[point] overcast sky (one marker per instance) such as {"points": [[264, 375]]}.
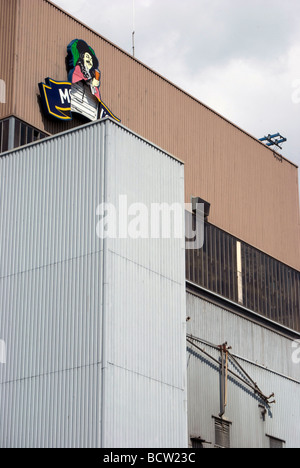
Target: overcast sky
{"points": [[239, 57]]}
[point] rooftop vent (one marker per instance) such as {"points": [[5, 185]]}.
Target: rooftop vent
{"points": [[202, 205]]}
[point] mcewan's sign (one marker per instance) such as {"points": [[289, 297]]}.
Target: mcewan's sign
{"points": [[81, 93]]}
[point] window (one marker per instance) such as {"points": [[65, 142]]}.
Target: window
{"points": [[197, 442], [241, 273], [4, 130], [25, 134], [15, 133], [276, 443], [222, 433]]}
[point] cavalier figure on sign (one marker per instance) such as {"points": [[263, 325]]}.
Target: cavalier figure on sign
{"points": [[79, 95], [83, 65]]}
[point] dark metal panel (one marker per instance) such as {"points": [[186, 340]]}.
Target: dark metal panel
{"points": [[270, 288]]}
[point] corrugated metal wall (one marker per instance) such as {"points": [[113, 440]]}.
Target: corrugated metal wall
{"points": [[244, 275], [255, 342], [51, 293], [146, 295], [8, 18], [248, 188], [94, 330], [267, 359]]}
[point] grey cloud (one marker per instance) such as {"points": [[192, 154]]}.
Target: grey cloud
{"points": [[190, 41], [216, 31]]}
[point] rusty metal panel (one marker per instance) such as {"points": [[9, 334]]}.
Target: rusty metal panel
{"points": [[253, 195]]}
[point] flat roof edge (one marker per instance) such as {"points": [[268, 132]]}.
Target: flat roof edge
{"points": [[242, 311], [86, 125]]}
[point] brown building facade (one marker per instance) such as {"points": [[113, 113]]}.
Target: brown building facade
{"points": [[253, 191]]}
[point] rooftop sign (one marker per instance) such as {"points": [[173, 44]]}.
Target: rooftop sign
{"points": [[81, 93]]}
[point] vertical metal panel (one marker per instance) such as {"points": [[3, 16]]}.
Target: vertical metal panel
{"points": [[267, 359], [145, 301], [51, 292], [52, 410], [247, 339], [251, 285], [249, 189], [95, 330], [44, 183], [248, 428], [8, 17], [49, 318]]}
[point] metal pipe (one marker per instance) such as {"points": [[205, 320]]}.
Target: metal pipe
{"points": [[226, 378], [248, 361], [243, 370], [254, 388], [222, 389]]}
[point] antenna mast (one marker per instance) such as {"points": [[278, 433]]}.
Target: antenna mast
{"points": [[133, 28]]}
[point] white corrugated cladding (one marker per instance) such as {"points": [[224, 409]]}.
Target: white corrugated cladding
{"points": [[146, 291], [94, 329], [267, 359]]}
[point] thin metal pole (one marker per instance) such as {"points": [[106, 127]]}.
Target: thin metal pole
{"points": [[226, 378], [133, 46], [133, 28], [222, 389]]}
